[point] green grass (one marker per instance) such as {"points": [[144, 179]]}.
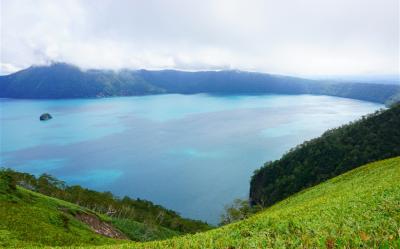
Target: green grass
{"points": [[359, 209], [32, 219], [137, 231]]}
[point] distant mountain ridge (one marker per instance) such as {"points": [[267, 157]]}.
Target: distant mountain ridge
{"points": [[60, 80]]}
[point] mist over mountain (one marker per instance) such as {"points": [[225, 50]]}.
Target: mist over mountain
{"points": [[390, 79], [61, 80]]}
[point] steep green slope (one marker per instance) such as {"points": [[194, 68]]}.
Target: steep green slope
{"points": [[156, 221], [372, 138], [29, 218], [32, 219], [360, 208], [137, 231]]}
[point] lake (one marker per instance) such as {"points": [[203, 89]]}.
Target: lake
{"points": [[189, 153]]}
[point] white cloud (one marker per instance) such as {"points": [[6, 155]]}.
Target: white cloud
{"points": [[306, 37]]}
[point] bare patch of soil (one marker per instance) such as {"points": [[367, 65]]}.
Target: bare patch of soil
{"points": [[100, 227]]}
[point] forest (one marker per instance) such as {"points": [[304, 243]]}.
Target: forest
{"points": [[373, 137]]}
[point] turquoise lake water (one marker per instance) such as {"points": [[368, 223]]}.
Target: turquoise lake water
{"points": [[190, 153]]}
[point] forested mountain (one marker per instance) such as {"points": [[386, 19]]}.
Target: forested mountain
{"points": [[61, 80], [369, 139]]}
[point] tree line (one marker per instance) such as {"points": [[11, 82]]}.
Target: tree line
{"points": [[142, 211], [373, 137]]}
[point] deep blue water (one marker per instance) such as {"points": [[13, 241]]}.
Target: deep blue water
{"points": [[190, 153]]}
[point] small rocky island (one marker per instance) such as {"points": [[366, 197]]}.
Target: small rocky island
{"points": [[45, 116]]}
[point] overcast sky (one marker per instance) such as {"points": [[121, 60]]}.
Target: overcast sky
{"points": [[298, 37]]}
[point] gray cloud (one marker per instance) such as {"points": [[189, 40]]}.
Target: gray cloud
{"points": [[305, 37]]}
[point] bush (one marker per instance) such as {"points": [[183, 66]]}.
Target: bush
{"points": [[7, 182], [239, 209]]}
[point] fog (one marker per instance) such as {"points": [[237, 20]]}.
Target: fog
{"points": [[298, 37]]}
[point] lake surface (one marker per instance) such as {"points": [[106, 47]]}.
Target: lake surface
{"points": [[190, 153]]}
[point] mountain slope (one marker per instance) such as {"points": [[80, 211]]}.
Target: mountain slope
{"points": [[140, 220], [32, 219], [67, 81], [360, 208], [61, 80], [372, 138]]}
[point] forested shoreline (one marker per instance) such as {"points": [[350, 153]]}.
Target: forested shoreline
{"points": [[373, 137]]}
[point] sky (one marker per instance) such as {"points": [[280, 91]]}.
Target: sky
{"points": [[296, 37]]}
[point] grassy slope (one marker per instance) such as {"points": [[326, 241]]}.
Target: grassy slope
{"points": [[143, 232], [32, 219], [361, 207]]}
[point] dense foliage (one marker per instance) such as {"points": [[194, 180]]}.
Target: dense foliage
{"points": [[106, 203], [66, 81], [372, 138], [359, 209]]}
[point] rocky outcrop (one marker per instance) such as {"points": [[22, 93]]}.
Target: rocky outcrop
{"points": [[45, 116]]}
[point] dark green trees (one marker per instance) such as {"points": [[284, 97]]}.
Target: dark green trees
{"points": [[7, 183], [372, 138]]}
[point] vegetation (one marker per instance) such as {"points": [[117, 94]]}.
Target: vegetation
{"points": [[359, 209], [306, 208], [154, 216], [143, 231], [372, 138], [61, 80], [393, 100], [32, 219], [239, 209]]}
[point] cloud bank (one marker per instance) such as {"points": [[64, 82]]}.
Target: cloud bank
{"points": [[300, 37]]}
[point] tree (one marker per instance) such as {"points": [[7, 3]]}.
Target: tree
{"points": [[239, 209], [7, 182]]}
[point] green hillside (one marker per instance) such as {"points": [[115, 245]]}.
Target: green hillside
{"points": [[360, 208], [137, 231], [29, 218], [32, 219], [372, 138], [49, 208]]}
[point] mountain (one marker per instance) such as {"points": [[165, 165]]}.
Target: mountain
{"points": [[372, 138], [60, 80]]}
